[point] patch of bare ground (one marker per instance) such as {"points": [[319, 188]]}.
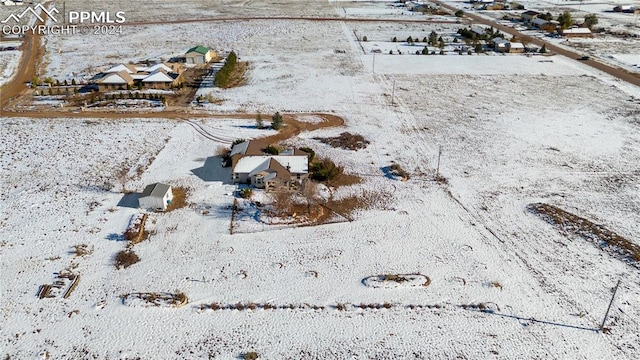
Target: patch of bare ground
{"points": [[179, 200], [343, 179], [345, 140], [367, 199], [597, 234]]}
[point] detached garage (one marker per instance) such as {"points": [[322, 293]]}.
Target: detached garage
{"points": [[156, 197], [199, 55]]}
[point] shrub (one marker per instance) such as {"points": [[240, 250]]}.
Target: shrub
{"points": [[394, 39], [271, 150], [309, 151], [126, 258], [325, 170], [237, 141], [245, 193], [252, 355], [259, 122], [364, 38], [459, 13]]}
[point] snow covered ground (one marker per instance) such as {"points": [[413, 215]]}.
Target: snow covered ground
{"points": [[513, 130], [9, 61]]}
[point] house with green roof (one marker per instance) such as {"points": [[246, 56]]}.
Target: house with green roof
{"points": [[199, 55]]}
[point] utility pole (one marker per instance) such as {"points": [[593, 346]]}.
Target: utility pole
{"points": [[374, 63], [438, 167], [393, 93], [606, 315]]}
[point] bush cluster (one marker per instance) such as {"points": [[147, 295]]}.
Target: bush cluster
{"points": [[325, 170]]}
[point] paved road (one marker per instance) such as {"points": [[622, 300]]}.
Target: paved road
{"points": [[614, 71]]}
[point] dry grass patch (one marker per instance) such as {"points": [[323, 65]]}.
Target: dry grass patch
{"points": [[397, 170], [126, 258], [82, 250], [176, 299], [598, 235], [346, 140], [179, 200]]}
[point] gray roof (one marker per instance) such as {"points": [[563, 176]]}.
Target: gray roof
{"points": [[155, 190], [240, 148]]}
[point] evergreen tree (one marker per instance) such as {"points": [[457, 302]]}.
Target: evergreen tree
{"points": [[276, 121]]}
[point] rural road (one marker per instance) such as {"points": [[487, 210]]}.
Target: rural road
{"points": [[616, 72]]}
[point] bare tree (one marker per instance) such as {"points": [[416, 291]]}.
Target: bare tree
{"points": [[123, 178]]}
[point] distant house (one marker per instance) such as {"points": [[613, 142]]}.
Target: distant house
{"points": [[529, 15], [199, 55], [576, 32], [479, 30], [625, 8], [285, 171], [516, 47], [505, 46], [156, 197], [500, 44]]}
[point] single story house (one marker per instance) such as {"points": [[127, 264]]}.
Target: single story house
{"points": [[126, 76], [576, 32], [529, 15], [199, 55], [285, 171], [156, 197], [506, 46], [516, 47]]}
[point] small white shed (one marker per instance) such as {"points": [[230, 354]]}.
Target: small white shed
{"points": [[156, 197]]}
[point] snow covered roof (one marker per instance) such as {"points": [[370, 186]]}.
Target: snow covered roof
{"points": [[240, 148], [158, 76], [255, 164], [157, 67], [577, 31], [516, 45], [499, 41], [121, 77], [539, 21], [131, 69], [157, 190]]}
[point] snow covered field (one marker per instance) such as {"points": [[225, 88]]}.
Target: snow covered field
{"points": [[514, 130], [9, 61]]}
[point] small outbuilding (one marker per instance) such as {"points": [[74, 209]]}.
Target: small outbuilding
{"points": [[199, 55], [156, 197]]}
